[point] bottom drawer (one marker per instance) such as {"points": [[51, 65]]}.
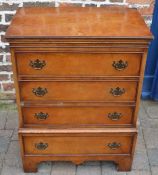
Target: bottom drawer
{"points": [[77, 142]]}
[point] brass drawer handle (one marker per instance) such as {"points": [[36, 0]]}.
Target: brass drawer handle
{"points": [[114, 145], [41, 116], [114, 116], [120, 65], [117, 91], [39, 92], [37, 64], [41, 146]]}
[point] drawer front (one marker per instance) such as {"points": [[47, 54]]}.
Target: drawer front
{"points": [[78, 64], [76, 116], [42, 144], [79, 91]]}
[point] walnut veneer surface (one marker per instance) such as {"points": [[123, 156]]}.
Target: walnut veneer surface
{"points": [[78, 76]]}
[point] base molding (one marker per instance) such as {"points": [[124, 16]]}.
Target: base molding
{"points": [[124, 162]]}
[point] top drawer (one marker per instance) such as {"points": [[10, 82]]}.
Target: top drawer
{"points": [[72, 64]]}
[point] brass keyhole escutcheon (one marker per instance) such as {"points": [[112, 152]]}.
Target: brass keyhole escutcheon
{"points": [[37, 64], [120, 65], [41, 116], [114, 116], [117, 91], [39, 92], [41, 146], [114, 145]]}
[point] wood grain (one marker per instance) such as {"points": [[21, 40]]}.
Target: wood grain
{"points": [[79, 91], [123, 160], [78, 64], [74, 116], [78, 77], [77, 145], [105, 22]]}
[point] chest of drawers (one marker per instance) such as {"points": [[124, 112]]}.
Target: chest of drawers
{"points": [[78, 75]]}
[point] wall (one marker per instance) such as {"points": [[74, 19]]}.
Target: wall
{"points": [[8, 9]]}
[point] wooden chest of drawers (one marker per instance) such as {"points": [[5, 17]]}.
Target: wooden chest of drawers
{"points": [[78, 75]]}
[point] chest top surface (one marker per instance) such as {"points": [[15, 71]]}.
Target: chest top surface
{"points": [[74, 22]]}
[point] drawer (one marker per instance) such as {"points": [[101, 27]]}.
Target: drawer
{"points": [[77, 144], [74, 116], [73, 64], [79, 91]]}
